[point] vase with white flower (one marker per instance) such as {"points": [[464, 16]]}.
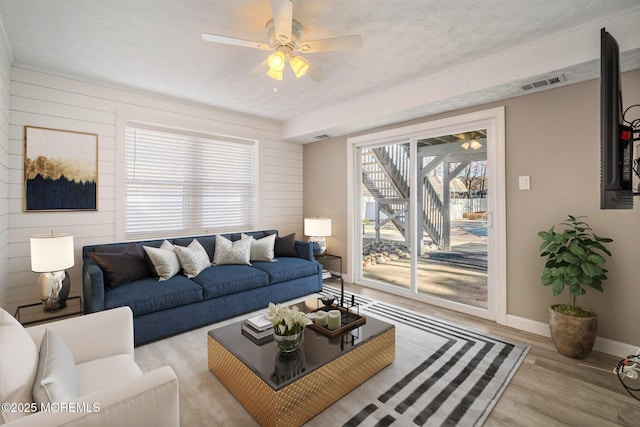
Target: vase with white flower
{"points": [[288, 326]]}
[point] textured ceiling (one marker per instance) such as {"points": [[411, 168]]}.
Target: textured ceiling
{"points": [[155, 46]]}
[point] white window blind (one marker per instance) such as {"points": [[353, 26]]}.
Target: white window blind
{"points": [[185, 184]]}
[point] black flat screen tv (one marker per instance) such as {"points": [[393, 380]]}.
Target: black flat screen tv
{"points": [[616, 148]]}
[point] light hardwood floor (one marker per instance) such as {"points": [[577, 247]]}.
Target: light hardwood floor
{"points": [[548, 389]]}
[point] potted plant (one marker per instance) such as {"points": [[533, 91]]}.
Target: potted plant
{"points": [[574, 259]]}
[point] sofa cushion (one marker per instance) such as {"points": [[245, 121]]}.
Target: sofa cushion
{"points": [[18, 365], [148, 295], [228, 252], [262, 249], [121, 268], [285, 246], [287, 268], [106, 372], [193, 258], [56, 379], [228, 279], [164, 260]]}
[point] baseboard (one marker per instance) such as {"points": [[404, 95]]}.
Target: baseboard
{"points": [[603, 345]]}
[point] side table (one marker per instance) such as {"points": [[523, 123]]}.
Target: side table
{"points": [[336, 259], [32, 314]]}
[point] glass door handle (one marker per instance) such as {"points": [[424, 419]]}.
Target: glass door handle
{"points": [[487, 219]]}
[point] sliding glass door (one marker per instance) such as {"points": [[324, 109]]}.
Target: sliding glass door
{"points": [[424, 215], [452, 223], [385, 190]]}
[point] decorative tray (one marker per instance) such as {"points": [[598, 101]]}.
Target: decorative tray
{"points": [[350, 320]]}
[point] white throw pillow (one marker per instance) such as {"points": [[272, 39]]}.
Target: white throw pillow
{"points": [[18, 365], [193, 259], [56, 380], [164, 260], [228, 252], [262, 249]]}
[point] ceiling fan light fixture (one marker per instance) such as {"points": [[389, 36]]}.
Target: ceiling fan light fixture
{"points": [[475, 145], [276, 61], [299, 65], [276, 75]]}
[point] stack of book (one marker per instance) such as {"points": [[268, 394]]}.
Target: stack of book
{"points": [[258, 329], [326, 274]]}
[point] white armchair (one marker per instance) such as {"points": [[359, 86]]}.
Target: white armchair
{"points": [[111, 389]]}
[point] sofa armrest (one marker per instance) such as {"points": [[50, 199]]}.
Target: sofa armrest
{"points": [[304, 250], [92, 286], [148, 400], [93, 336]]}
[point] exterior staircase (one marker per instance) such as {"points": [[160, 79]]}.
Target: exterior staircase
{"points": [[385, 174]]}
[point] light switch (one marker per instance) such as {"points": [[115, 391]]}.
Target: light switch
{"points": [[524, 183]]}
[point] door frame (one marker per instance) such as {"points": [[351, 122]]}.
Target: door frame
{"points": [[493, 120]]}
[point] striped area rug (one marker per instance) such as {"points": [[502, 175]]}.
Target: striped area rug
{"points": [[444, 374]]}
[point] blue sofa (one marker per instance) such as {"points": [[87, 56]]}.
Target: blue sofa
{"points": [[164, 308]]}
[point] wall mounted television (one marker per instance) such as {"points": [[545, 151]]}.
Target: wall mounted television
{"points": [[616, 138]]}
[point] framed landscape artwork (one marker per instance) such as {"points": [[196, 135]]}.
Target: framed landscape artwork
{"points": [[60, 170]]}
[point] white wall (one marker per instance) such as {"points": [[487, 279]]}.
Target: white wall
{"points": [[45, 100], [5, 72]]}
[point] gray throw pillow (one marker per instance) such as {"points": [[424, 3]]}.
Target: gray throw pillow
{"points": [[262, 249], [121, 268], [56, 378], [228, 252], [164, 260], [193, 259], [286, 246]]}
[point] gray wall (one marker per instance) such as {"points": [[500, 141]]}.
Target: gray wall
{"points": [[554, 137]]}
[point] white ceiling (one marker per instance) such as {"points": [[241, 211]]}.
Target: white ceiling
{"points": [[418, 57]]}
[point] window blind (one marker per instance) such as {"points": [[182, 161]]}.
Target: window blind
{"points": [[185, 184]]}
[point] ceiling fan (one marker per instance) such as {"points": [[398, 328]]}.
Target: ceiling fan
{"points": [[284, 38]]}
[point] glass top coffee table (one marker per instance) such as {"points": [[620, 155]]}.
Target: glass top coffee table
{"points": [[286, 389]]}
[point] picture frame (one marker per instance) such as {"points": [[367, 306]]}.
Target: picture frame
{"points": [[60, 170]]}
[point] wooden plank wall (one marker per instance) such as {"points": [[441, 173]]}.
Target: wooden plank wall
{"points": [[5, 71], [47, 100]]}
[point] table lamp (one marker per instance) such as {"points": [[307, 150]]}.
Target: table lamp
{"points": [[317, 229], [51, 255]]}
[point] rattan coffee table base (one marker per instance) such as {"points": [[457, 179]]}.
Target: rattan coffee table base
{"points": [[303, 399]]}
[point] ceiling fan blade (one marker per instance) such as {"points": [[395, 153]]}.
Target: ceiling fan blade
{"points": [[233, 41], [336, 43], [315, 73], [282, 18]]}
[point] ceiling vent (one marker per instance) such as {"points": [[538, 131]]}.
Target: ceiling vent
{"points": [[547, 82], [322, 136]]}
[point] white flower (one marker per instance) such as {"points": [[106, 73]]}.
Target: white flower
{"points": [[287, 320]]}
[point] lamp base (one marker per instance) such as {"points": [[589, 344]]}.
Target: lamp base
{"points": [[319, 245], [54, 290]]}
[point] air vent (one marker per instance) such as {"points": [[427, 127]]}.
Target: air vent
{"points": [[547, 82], [322, 136]]}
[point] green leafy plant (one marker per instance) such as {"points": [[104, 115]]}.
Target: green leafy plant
{"points": [[574, 259]]}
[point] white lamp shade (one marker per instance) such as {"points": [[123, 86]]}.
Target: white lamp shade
{"points": [[51, 252], [317, 227]]}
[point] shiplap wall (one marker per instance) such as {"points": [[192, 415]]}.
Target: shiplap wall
{"points": [[46, 100], [5, 71]]}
